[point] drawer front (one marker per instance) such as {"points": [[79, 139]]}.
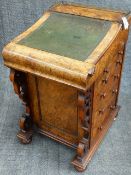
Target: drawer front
{"points": [[106, 87], [102, 118], [106, 91]]}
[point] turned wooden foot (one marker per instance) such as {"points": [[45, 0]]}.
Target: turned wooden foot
{"points": [[25, 137], [25, 134], [79, 169]]}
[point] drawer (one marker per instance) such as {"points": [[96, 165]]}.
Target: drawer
{"points": [[106, 91], [103, 95], [108, 83], [100, 113], [98, 125]]}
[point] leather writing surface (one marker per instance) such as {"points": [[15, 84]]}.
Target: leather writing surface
{"points": [[68, 35]]}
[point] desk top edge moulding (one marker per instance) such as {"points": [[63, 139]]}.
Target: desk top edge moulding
{"points": [[66, 68]]}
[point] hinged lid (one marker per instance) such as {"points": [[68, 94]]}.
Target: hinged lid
{"points": [[65, 43]]}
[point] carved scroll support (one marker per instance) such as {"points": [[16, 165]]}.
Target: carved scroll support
{"points": [[84, 114], [25, 123]]}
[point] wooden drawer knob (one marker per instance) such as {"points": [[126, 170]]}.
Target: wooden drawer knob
{"points": [[119, 62], [121, 52], [114, 91], [100, 128], [116, 76], [105, 80], [106, 70], [112, 107], [103, 95], [101, 111]]}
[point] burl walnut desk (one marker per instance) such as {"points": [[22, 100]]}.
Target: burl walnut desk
{"points": [[66, 69]]}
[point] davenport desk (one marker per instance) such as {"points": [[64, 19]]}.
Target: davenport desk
{"points": [[66, 69]]}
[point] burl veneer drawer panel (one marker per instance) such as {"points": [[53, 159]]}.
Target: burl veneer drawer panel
{"points": [[66, 69]]}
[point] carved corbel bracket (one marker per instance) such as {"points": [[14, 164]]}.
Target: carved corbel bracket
{"points": [[84, 114]]}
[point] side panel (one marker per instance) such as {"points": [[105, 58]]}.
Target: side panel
{"points": [[54, 108]]}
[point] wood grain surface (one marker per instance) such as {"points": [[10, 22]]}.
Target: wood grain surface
{"points": [[73, 102]]}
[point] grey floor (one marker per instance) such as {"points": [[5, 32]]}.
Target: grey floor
{"points": [[46, 157]]}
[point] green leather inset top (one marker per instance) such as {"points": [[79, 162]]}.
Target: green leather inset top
{"points": [[68, 35]]}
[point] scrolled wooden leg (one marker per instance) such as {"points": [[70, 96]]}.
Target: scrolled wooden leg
{"points": [[20, 87], [25, 122]]}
